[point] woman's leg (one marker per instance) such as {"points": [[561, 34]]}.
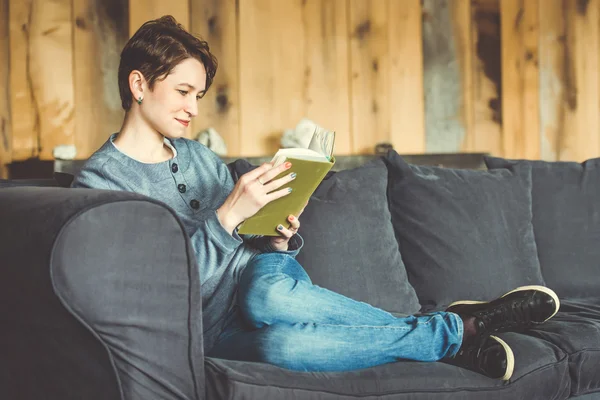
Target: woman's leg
{"points": [[293, 324], [274, 288], [327, 347]]}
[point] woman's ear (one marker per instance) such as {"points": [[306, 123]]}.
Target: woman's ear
{"points": [[137, 84]]}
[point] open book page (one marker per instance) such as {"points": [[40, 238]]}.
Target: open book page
{"points": [[322, 142], [304, 154], [320, 148]]}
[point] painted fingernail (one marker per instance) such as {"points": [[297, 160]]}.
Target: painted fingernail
{"points": [[279, 227], [287, 164], [291, 218], [289, 190], [293, 175]]}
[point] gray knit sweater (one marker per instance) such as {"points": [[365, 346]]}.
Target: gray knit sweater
{"points": [[194, 183]]}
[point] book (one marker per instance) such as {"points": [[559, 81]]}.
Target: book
{"points": [[311, 165]]}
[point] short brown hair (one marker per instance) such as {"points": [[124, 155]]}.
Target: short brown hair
{"points": [[155, 49]]}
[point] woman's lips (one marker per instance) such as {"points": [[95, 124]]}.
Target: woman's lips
{"points": [[184, 123]]}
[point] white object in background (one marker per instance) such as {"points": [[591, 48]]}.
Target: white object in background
{"points": [[211, 139], [64, 152], [300, 136]]}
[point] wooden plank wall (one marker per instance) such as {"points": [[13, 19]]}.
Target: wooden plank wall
{"points": [[42, 97], [569, 102], [516, 78], [386, 82], [462, 75], [520, 78], [217, 22], [100, 30], [5, 129], [24, 117]]}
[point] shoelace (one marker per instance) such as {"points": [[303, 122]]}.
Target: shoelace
{"points": [[516, 313]]}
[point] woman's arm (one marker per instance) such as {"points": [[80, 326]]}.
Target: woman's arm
{"points": [[214, 246]]}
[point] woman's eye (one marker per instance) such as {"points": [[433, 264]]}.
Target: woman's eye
{"points": [[183, 92]]}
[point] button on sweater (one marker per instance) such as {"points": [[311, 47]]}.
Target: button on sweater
{"points": [[194, 183]]}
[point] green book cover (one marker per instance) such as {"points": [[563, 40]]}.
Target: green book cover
{"points": [[309, 173], [310, 165]]}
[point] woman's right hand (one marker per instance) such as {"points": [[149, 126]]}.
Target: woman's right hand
{"points": [[252, 192]]}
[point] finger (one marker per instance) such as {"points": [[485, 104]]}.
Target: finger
{"points": [[271, 173], [294, 221], [278, 194], [285, 231], [256, 172], [277, 183]]}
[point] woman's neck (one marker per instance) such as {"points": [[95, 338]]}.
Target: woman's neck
{"points": [[139, 141]]}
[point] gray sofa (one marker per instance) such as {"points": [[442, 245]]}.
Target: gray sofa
{"points": [[100, 296]]}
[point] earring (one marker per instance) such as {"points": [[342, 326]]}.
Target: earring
{"points": [[139, 100]]}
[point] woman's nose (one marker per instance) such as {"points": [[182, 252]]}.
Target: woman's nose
{"points": [[192, 108]]}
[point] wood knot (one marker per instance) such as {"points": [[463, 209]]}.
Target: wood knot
{"points": [[582, 6], [222, 99], [212, 25], [362, 30], [80, 23], [375, 65]]}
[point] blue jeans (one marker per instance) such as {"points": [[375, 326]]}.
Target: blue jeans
{"points": [[283, 319]]}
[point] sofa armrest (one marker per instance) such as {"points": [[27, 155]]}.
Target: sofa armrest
{"points": [[99, 297]]}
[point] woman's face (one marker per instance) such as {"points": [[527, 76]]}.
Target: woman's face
{"points": [[173, 102]]}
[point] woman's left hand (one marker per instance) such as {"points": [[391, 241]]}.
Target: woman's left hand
{"points": [[280, 243]]}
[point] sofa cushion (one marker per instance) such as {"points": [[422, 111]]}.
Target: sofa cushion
{"points": [[463, 234], [349, 243], [566, 222], [541, 372], [576, 331]]}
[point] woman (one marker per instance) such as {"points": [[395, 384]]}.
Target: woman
{"points": [[258, 302]]}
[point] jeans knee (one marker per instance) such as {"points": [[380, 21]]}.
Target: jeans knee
{"points": [[266, 287], [260, 301]]}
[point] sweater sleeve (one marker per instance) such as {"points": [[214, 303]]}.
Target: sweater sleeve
{"points": [[213, 245]]}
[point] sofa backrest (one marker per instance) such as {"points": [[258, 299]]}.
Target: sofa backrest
{"points": [[566, 222]]}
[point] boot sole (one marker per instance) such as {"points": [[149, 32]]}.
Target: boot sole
{"points": [[510, 358], [538, 288]]}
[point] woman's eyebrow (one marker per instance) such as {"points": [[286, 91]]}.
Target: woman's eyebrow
{"points": [[188, 85]]}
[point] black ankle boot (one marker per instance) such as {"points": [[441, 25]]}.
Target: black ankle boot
{"points": [[489, 356], [515, 311]]}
